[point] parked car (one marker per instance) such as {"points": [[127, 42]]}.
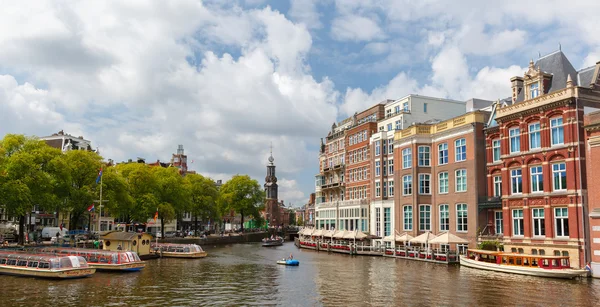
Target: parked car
{"points": [[170, 234]]}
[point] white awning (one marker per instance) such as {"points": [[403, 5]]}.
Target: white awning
{"points": [[424, 238], [448, 238]]}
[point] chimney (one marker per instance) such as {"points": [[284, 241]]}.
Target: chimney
{"points": [[516, 87]]}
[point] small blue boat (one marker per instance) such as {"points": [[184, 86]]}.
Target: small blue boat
{"points": [[292, 262]]}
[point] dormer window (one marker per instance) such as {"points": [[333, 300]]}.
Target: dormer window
{"points": [[534, 90]]}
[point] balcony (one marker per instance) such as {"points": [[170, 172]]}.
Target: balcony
{"points": [[333, 185], [389, 115], [343, 203]]}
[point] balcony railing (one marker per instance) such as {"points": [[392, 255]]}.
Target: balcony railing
{"points": [[343, 203]]}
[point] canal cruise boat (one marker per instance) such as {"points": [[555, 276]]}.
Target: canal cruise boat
{"points": [[172, 250], [524, 264], [44, 266], [274, 241], [104, 260]]}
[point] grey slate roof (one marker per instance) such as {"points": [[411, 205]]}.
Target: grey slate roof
{"points": [[558, 65], [584, 76]]}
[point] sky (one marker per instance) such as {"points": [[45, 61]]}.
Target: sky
{"points": [[228, 78]]}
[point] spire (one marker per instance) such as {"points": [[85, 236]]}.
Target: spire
{"points": [[271, 159], [569, 81]]}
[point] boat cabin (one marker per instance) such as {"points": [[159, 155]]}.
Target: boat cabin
{"points": [[127, 241], [97, 255], [177, 248], [43, 262], [523, 260]]}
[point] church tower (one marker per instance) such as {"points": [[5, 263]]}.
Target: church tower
{"points": [[271, 206]]}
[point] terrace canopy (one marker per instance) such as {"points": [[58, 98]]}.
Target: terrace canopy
{"points": [[423, 239], [448, 238]]}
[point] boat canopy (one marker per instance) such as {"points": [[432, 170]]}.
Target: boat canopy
{"points": [[42, 261], [96, 255], [177, 248]]}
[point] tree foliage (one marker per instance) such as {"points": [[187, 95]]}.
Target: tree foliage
{"points": [[243, 195]]}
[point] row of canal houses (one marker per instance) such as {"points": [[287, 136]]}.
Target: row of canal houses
{"points": [[512, 170]]}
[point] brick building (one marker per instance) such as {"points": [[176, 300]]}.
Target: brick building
{"points": [[535, 160], [439, 178]]}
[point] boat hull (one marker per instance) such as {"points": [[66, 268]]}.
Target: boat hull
{"points": [[556, 273], [272, 243], [54, 274], [289, 262], [184, 255], [125, 267]]}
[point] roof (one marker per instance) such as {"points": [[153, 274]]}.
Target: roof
{"points": [[585, 76], [121, 236], [557, 64]]}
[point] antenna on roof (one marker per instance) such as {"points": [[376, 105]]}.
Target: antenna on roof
{"points": [[539, 54], [559, 47]]}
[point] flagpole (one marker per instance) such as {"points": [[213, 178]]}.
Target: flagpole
{"points": [[100, 205]]}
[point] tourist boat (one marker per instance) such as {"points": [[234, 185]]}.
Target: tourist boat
{"points": [[267, 242], [44, 266], [179, 250], [123, 261], [290, 262], [524, 264]]}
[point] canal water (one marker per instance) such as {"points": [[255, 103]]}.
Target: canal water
{"points": [[246, 274]]}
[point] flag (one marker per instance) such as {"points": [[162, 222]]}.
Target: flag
{"points": [[91, 208], [156, 215], [99, 176], [61, 226]]}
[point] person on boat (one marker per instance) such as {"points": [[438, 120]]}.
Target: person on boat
{"points": [[291, 257], [119, 248]]}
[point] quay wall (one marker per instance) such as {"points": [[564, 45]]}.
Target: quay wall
{"points": [[218, 240]]}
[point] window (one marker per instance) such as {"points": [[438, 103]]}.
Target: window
{"points": [[377, 148], [390, 126], [377, 168], [496, 150], [461, 180], [377, 189], [499, 227], [539, 228], [385, 189], [424, 184], [461, 217], [364, 173], [365, 135], [384, 167], [378, 221], [390, 146], [461, 150], [556, 131], [424, 156], [497, 186], [425, 108], [559, 176], [407, 185], [561, 222], [408, 218], [424, 217], [443, 183], [406, 158], [405, 106], [517, 215], [537, 181], [516, 181], [443, 154], [391, 188], [387, 221], [390, 167], [534, 136], [534, 90], [444, 218], [514, 135], [398, 125]]}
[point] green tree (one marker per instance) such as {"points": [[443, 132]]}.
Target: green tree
{"points": [[203, 195], [26, 177], [171, 194], [242, 195], [141, 185]]}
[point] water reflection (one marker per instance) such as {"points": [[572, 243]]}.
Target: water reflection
{"points": [[248, 275]]}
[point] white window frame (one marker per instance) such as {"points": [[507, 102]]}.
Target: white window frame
{"points": [[514, 176], [514, 134], [377, 148], [560, 218], [390, 166], [377, 189], [462, 222], [496, 146], [391, 188], [424, 156], [518, 220], [406, 158], [407, 218], [499, 222], [422, 179], [377, 168], [537, 172], [497, 185], [443, 183], [424, 218], [559, 128], [444, 215], [407, 179], [555, 171], [458, 154], [538, 221], [460, 180], [535, 131], [443, 154]]}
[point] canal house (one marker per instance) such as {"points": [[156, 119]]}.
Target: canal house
{"points": [[535, 161]]}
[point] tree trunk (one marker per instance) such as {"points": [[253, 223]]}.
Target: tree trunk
{"points": [[162, 228], [195, 225], [242, 226], [21, 230]]}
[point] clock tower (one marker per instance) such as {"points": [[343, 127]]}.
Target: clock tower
{"points": [[272, 204]]}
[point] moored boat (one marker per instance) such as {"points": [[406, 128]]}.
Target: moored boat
{"points": [[179, 250], [105, 260], [268, 242], [524, 264], [44, 266]]}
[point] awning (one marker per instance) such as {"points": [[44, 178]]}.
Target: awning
{"points": [[391, 238], [328, 233], [339, 234], [405, 237], [448, 238], [424, 238], [317, 233]]}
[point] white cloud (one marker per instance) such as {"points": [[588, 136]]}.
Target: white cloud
{"points": [[355, 28], [305, 11]]}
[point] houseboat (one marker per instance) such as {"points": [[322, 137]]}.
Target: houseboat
{"points": [[179, 250], [44, 266], [105, 260], [524, 264]]}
